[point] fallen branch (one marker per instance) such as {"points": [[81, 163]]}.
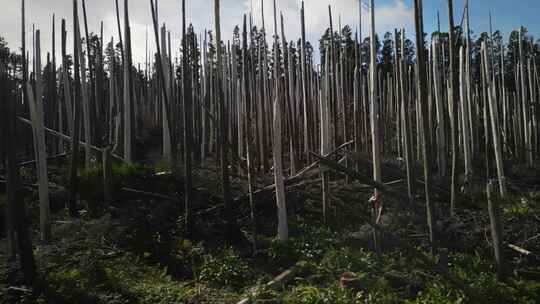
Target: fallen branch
{"points": [[31, 162], [520, 250], [380, 186], [67, 138], [32, 186], [152, 195], [274, 284], [290, 179]]}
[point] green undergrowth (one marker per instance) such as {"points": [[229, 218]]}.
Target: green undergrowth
{"points": [[91, 180], [138, 252]]}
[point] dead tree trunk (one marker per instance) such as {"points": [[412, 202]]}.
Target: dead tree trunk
{"points": [[188, 123], [374, 117], [283, 230], [35, 94], [452, 83], [224, 159], [19, 240], [494, 113], [128, 87], [496, 230], [422, 81], [74, 164]]}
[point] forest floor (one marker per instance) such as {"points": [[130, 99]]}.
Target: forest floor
{"points": [[137, 251]]}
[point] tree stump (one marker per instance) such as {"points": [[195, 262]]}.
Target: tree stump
{"points": [[350, 281]]}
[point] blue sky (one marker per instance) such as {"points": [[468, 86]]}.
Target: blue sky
{"points": [[390, 14], [507, 15]]}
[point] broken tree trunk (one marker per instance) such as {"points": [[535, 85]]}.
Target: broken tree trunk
{"points": [[223, 153], [494, 113], [283, 229], [496, 230], [128, 87], [36, 111], [18, 236], [74, 163], [422, 85], [374, 118]]}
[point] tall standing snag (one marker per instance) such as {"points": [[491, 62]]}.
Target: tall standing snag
{"points": [[36, 112], [283, 230], [452, 95], [224, 162], [186, 95], [496, 230], [374, 117], [494, 113], [422, 81], [128, 87], [18, 234], [74, 164]]}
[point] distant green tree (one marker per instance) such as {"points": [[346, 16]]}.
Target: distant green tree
{"points": [[387, 53], [365, 46], [512, 58]]}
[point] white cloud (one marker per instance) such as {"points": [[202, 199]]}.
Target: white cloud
{"points": [[200, 12]]}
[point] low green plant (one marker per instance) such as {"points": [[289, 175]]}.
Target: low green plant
{"points": [[305, 294], [225, 268]]}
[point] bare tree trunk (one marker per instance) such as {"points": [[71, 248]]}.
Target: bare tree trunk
{"points": [[19, 240], [283, 230], [438, 88], [494, 113], [406, 124], [229, 217], [128, 87], [162, 76], [65, 81], [305, 102], [496, 231], [465, 122], [424, 115], [248, 131], [374, 115], [325, 132], [525, 102], [74, 164], [453, 83], [36, 111], [188, 123]]}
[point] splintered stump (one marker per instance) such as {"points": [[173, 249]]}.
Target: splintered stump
{"points": [[276, 283], [350, 281]]}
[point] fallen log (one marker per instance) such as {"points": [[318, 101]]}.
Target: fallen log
{"points": [[32, 186], [301, 173], [151, 195], [67, 138], [398, 172], [520, 250], [274, 284], [355, 175], [31, 162]]}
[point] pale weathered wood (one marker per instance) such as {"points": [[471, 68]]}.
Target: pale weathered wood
{"points": [[422, 84], [283, 228], [107, 176], [224, 159], [496, 231], [452, 104], [36, 111], [494, 113], [128, 87], [74, 162]]}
